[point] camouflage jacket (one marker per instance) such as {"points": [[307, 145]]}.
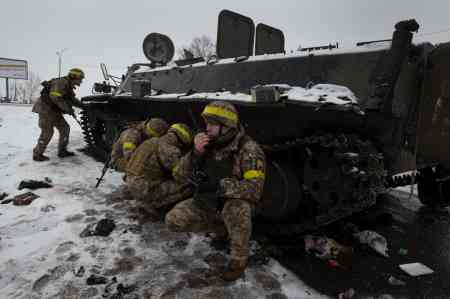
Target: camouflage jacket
{"points": [[127, 142], [59, 99], [156, 158], [248, 170]]}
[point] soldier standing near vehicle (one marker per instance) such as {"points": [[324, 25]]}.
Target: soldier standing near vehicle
{"points": [[233, 173], [57, 98], [132, 137], [149, 171]]}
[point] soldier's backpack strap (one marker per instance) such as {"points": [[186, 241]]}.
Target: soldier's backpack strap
{"points": [[45, 95]]}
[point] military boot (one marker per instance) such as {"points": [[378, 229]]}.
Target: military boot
{"points": [[65, 153], [219, 239], [40, 157], [234, 270]]}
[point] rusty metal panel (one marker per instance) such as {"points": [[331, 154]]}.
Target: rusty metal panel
{"points": [[434, 124]]}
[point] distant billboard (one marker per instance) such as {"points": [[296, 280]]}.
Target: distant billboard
{"points": [[13, 68]]}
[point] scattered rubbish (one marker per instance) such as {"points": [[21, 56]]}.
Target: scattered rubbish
{"points": [[103, 228], [124, 289], [88, 231], [80, 272], [3, 195], [403, 251], [48, 208], [416, 269], [333, 263], [24, 199], [375, 241], [325, 248], [109, 287], [96, 279], [33, 184], [347, 294], [395, 281]]}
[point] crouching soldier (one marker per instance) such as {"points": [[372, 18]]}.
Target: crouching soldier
{"points": [[228, 168], [57, 98], [132, 137], [149, 172]]}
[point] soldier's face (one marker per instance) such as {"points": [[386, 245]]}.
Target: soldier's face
{"points": [[212, 130], [77, 82]]}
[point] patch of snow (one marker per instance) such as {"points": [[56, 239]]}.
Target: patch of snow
{"points": [[323, 93], [325, 52], [318, 94]]}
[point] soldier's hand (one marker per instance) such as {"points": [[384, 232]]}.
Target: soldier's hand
{"points": [[201, 140], [127, 153]]}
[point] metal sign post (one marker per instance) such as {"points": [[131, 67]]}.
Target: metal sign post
{"points": [[7, 88], [13, 68]]}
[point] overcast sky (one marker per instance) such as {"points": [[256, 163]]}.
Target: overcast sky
{"points": [[112, 32]]}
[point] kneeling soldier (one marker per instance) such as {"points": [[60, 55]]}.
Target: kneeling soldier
{"points": [[228, 169], [149, 171], [132, 137]]}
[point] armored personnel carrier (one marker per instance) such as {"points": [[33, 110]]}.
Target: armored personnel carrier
{"points": [[338, 127]]}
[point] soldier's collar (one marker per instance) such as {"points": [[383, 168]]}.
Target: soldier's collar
{"points": [[234, 144]]}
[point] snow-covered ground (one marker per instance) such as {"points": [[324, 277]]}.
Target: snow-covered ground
{"points": [[41, 250]]}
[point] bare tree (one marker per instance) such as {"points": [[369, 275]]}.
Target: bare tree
{"points": [[28, 91], [201, 46]]}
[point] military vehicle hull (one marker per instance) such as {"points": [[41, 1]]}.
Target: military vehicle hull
{"points": [[326, 159]]}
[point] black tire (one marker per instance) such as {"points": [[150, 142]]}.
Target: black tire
{"points": [[431, 192]]}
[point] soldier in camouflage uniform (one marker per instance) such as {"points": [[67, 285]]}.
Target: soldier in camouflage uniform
{"points": [[132, 137], [57, 98], [149, 171], [231, 186]]}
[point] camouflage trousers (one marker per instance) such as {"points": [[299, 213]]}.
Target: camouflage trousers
{"points": [[160, 195], [235, 219], [47, 122]]}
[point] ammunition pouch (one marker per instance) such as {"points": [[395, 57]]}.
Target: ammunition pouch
{"points": [[206, 179], [206, 192]]}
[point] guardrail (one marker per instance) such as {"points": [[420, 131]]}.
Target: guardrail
{"points": [[16, 104]]}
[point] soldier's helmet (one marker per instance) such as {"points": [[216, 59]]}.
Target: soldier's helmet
{"points": [[155, 127], [183, 132], [76, 73], [221, 112]]}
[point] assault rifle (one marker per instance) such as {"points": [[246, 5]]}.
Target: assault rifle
{"points": [[104, 170], [107, 164]]}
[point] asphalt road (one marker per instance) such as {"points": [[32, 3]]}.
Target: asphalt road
{"points": [[414, 235]]}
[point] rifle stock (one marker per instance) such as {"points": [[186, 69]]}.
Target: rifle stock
{"points": [[107, 164], [104, 170]]}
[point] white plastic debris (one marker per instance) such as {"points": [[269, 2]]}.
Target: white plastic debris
{"points": [[348, 294], [395, 281], [376, 241], [416, 269]]}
